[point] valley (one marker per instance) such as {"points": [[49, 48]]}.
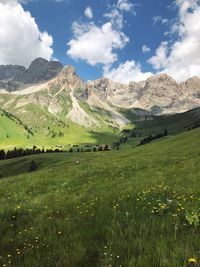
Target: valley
{"points": [[136, 204], [99, 133], [59, 108]]}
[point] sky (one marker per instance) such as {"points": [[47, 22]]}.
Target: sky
{"points": [[123, 40]]}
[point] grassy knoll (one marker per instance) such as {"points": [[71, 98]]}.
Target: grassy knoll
{"points": [[135, 207]]}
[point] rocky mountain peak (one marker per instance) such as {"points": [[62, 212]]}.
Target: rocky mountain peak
{"points": [[162, 78], [39, 70], [192, 86], [68, 72], [69, 78], [195, 80], [158, 94], [38, 63], [17, 77]]}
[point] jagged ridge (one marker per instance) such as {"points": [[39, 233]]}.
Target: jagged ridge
{"points": [[89, 104]]}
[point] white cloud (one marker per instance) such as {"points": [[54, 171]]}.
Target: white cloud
{"points": [[116, 14], [96, 44], [160, 19], [88, 12], [160, 57], [20, 38], [125, 5], [145, 49], [99, 44], [8, 1], [127, 72], [116, 18], [181, 58]]}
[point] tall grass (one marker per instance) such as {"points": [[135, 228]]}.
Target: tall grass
{"points": [[132, 208]]}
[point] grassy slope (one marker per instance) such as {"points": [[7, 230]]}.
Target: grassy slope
{"points": [[174, 124], [153, 125], [11, 132], [110, 210], [43, 125]]}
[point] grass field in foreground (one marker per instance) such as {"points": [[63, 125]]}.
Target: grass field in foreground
{"points": [[132, 208]]}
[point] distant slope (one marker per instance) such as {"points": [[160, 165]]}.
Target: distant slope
{"points": [[46, 130], [148, 124]]}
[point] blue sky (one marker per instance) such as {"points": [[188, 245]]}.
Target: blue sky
{"points": [[125, 40], [57, 19]]}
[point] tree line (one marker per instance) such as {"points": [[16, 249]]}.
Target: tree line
{"points": [[90, 149], [150, 138], [20, 152]]}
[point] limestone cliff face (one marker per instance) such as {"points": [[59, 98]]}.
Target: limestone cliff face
{"points": [[191, 87], [159, 94]]}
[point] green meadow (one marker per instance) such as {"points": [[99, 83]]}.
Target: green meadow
{"points": [[49, 132], [136, 207]]}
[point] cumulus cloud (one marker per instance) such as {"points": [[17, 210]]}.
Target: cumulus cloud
{"points": [[88, 12], [160, 57], [127, 72], [99, 44], [20, 38], [96, 44], [145, 49], [181, 58]]}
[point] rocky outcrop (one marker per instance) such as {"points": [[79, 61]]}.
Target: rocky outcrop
{"points": [[17, 77], [8, 72], [38, 71], [192, 87], [158, 94]]}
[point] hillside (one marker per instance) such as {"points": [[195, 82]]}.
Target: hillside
{"points": [[145, 125], [53, 106], [57, 113], [43, 130], [48, 93], [110, 210], [12, 130], [48, 133]]}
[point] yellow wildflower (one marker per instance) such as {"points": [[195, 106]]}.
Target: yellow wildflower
{"points": [[192, 260]]}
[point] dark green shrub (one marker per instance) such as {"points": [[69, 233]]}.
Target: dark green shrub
{"points": [[33, 166]]}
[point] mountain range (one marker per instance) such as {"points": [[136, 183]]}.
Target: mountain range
{"points": [[47, 94]]}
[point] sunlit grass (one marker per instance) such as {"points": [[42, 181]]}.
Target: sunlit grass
{"points": [[136, 207]]}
